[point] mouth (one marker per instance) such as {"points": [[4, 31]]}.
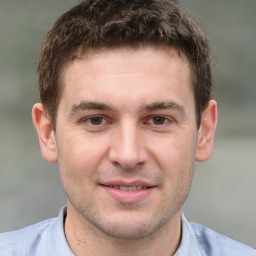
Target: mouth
{"points": [[128, 193], [128, 188]]}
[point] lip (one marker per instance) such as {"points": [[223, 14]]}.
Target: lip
{"points": [[128, 183], [128, 196]]}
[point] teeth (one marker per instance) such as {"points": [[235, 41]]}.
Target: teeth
{"points": [[132, 188], [124, 188], [127, 188]]}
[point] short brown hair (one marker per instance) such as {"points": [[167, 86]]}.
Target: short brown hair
{"points": [[97, 24]]}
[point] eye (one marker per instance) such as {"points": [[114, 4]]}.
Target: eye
{"points": [[96, 120], [159, 120]]}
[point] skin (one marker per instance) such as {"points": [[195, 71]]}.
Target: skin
{"points": [[126, 116]]}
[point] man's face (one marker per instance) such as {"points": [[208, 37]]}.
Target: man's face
{"points": [[126, 139]]}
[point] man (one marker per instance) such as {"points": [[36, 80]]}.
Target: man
{"points": [[125, 110]]}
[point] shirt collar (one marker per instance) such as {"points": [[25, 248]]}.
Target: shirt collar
{"points": [[189, 245], [59, 245], [57, 238]]}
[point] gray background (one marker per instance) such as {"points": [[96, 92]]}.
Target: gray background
{"points": [[223, 191]]}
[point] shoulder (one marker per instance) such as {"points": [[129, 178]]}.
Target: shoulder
{"points": [[26, 240], [217, 244]]}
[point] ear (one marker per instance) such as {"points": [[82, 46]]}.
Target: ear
{"points": [[206, 132], [45, 133]]}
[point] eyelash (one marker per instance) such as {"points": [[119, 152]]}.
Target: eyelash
{"points": [[162, 119], [88, 120]]}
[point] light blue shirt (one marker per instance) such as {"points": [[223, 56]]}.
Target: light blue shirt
{"points": [[47, 238]]}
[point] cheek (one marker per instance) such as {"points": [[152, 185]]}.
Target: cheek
{"points": [[173, 151], [175, 156], [80, 156]]}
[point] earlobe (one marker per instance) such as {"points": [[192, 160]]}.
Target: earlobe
{"points": [[45, 133], [206, 132]]}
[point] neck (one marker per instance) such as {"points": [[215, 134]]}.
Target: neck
{"points": [[85, 239]]}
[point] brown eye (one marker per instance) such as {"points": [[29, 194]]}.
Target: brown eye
{"points": [[96, 120], [158, 120]]}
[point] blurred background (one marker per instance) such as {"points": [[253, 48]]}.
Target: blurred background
{"points": [[224, 188]]}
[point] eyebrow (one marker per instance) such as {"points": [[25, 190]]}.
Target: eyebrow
{"points": [[89, 105], [164, 105]]}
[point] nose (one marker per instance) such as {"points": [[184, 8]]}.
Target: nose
{"points": [[127, 148]]}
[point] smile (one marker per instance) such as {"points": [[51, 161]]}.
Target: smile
{"points": [[128, 193], [128, 188]]}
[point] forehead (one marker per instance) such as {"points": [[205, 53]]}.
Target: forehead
{"points": [[129, 72], [119, 54]]}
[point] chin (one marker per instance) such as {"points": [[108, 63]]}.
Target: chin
{"points": [[132, 228]]}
